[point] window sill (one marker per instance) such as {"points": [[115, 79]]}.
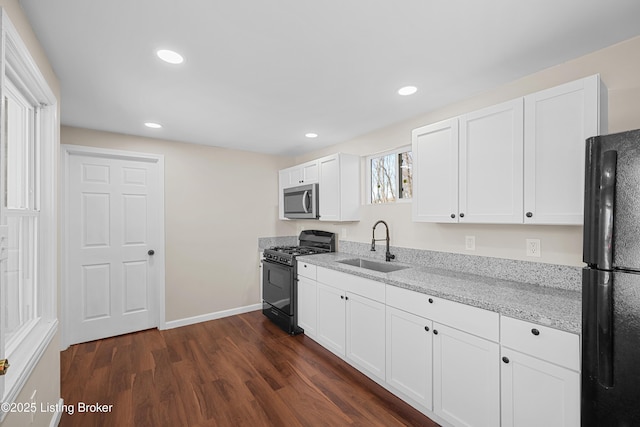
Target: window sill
{"points": [[25, 358], [397, 202]]}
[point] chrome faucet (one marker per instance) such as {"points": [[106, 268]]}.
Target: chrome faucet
{"points": [[388, 255]]}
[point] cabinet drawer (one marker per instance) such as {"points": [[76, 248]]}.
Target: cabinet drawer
{"points": [[552, 345], [473, 320], [307, 270], [348, 282]]}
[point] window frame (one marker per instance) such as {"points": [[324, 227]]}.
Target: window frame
{"points": [[368, 159], [21, 69]]}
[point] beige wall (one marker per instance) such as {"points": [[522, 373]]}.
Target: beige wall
{"points": [[46, 376], [619, 68], [217, 203]]}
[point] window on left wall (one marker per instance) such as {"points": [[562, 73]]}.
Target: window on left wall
{"points": [[28, 191], [22, 214]]}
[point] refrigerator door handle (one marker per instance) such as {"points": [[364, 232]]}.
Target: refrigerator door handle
{"points": [[607, 207], [604, 301]]}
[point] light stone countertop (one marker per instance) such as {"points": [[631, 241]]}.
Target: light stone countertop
{"points": [[557, 308]]}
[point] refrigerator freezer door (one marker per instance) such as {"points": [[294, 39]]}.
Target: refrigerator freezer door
{"points": [[622, 219], [610, 348]]}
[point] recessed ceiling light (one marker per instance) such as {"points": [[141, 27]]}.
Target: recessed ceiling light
{"points": [[311, 135], [170, 56], [153, 125], [407, 90]]}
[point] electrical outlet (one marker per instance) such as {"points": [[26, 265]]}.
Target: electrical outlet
{"points": [[470, 243], [344, 233], [533, 247]]}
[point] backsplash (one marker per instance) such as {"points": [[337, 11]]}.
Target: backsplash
{"points": [[550, 275], [267, 242], [536, 273]]}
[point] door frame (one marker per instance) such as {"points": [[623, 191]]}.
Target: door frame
{"points": [[66, 151]]}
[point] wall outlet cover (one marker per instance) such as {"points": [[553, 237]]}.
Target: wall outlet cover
{"points": [[533, 248], [470, 243]]}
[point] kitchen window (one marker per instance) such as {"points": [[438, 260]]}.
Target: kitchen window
{"points": [[389, 176], [28, 153]]}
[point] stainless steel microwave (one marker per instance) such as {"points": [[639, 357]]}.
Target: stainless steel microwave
{"points": [[301, 202]]}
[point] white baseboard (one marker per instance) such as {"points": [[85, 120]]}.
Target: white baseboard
{"points": [[211, 316], [57, 415]]}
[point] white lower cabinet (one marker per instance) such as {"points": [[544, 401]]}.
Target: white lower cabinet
{"points": [[461, 365], [538, 393], [366, 334], [350, 324], [466, 378], [540, 375], [331, 332], [307, 305], [410, 357]]}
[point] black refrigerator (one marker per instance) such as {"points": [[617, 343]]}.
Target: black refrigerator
{"points": [[611, 282]]}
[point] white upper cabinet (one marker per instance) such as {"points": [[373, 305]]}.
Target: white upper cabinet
{"points": [[491, 149], [435, 150], [306, 173], [338, 178], [469, 169], [557, 123], [518, 162], [339, 187]]}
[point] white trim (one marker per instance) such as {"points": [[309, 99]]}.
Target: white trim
{"points": [[17, 65], [211, 316], [57, 415], [24, 360], [21, 66], [66, 152]]}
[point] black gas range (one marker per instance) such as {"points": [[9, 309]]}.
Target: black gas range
{"points": [[287, 254], [279, 277]]}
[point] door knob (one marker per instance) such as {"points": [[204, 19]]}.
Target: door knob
{"points": [[151, 252]]}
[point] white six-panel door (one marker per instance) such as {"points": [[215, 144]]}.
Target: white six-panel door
{"points": [[114, 245]]}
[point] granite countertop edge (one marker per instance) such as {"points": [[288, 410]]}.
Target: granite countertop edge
{"points": [[547, 306]]}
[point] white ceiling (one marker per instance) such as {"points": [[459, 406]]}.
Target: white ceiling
{"points": [[259, 74]]}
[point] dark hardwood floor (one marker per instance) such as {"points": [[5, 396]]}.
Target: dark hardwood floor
{"points": [[237, 371]]}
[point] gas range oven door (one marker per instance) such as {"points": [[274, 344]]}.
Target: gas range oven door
{"points": [[278, 286]]}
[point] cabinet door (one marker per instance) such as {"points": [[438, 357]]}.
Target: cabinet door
{"points": [[290, 177], [466, 378], [331, 319], [309, 172], [307, 305], [409, 356], [366, 334], [329, 188], [557, 123], [536, 393], [283, 182], [491, 170], [435, 172]]}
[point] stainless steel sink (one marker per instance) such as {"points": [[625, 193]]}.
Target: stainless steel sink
{"points": [[383, 267]]}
